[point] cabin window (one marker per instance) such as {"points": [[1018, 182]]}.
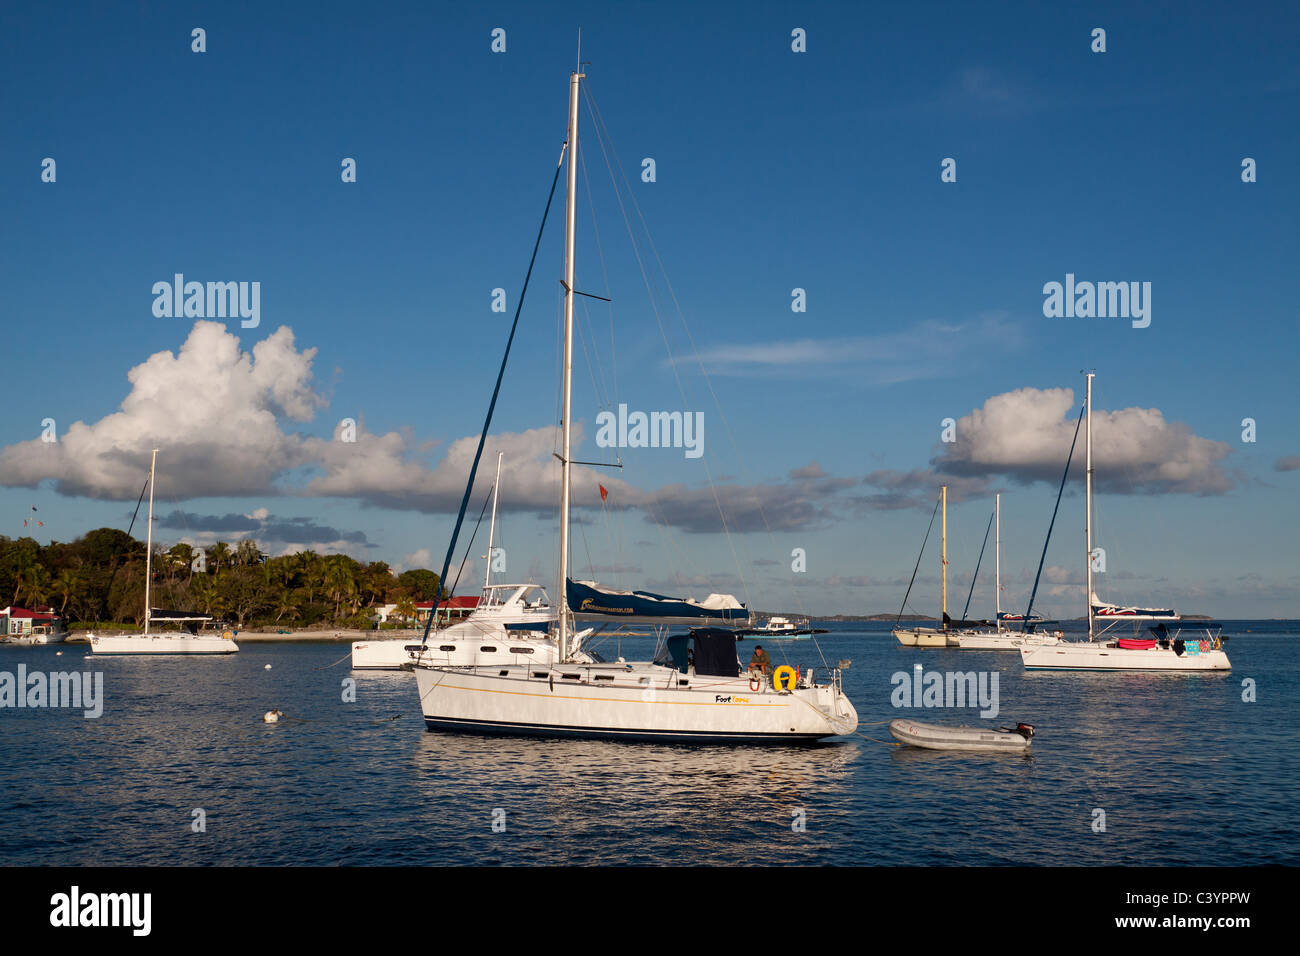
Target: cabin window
{"points": [[539, 673], [487, 649], [447, 647], [684, 683], [521, 650], [571, 676], [503, 673], [604, 677]]}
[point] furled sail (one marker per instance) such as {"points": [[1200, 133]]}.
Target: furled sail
{"points": [[590, 602], [1103, 610]]}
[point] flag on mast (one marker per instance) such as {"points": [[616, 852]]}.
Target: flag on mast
{"points": [[604, 492]]}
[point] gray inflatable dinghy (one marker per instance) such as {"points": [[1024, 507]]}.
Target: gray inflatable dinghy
{"points": [[936, 737]]}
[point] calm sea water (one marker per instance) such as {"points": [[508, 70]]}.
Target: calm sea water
{"points": [[1185, 770]]}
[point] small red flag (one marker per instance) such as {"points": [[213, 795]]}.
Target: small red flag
{"points": [[604, 493]]}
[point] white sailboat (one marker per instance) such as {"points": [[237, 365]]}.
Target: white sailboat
{"points": [[932, 636], [507, 627], [1000, 638], [670, 699], [187, 641], [1199, 651]]}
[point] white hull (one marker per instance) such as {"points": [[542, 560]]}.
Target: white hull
{"points": [[936, 737], [467, 644], [1098, 656], [165, 643], [923, 637], [628, 702], [1002, 640], [395, 655]]}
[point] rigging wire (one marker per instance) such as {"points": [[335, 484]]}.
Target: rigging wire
{"points": [[978, 562], [919, 555], [478, 453], [598, 125], [1025, 625]]}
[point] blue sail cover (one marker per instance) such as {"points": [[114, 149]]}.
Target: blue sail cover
{"points": [[1102, 610], [589, 601]]}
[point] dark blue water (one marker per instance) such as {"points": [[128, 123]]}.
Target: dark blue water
{"points": [[1185, 770]]}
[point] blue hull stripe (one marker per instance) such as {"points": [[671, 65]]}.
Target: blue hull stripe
{"points": [[600, 733]]}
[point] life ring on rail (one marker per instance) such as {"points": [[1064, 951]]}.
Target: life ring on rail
{"points": [[785, 674], [227, 636]]}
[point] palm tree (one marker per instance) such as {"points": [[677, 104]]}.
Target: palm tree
{"points": [[247, 552], [218, 554], [405, 609]]}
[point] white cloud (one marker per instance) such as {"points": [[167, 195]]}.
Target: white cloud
{"points": [[1026, 434]]}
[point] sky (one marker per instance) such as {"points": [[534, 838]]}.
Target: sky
{"points": [[822, 170]]}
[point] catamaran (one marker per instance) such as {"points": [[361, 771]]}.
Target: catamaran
{"points": [[1163, 651], [508, 626], [692, 691], [188, 640]]}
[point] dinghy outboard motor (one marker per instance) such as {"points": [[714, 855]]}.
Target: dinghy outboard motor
{"points": [[1025, 730]]}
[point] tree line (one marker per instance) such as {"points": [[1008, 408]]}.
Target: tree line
{"points": [[99, 578]]}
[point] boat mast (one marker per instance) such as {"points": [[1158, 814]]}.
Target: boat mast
{"points": [[1087, 508], [570, 224], [148, 548], [997, 560], [492, 526], [943, 557]]}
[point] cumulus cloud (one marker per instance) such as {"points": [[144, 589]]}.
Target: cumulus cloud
{"points": [[1025, 435], [212, 410], [1290, 463]]}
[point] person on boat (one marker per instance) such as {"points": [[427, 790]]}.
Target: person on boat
{"points": [[760, 662]]}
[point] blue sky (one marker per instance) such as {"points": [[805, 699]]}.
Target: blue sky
{"points": [[775, 170]]}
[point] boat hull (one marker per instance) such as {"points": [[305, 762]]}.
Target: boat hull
{"points": [[937, 737], [1097, 656], [400, 654], [544, 702], [1002, 641], [162, 644], [923, 637]]}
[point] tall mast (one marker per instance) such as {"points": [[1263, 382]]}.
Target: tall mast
{"points": [[492, 527], [148, 548], [943, 555], [1087, 508], [997, 560], [570, 225]]}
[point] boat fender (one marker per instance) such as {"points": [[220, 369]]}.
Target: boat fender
{"points": [[784, 678], [1179, 647]]}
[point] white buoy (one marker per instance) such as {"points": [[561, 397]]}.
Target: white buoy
{"points": [[268, 667], [58, 653], [272, 716]]}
